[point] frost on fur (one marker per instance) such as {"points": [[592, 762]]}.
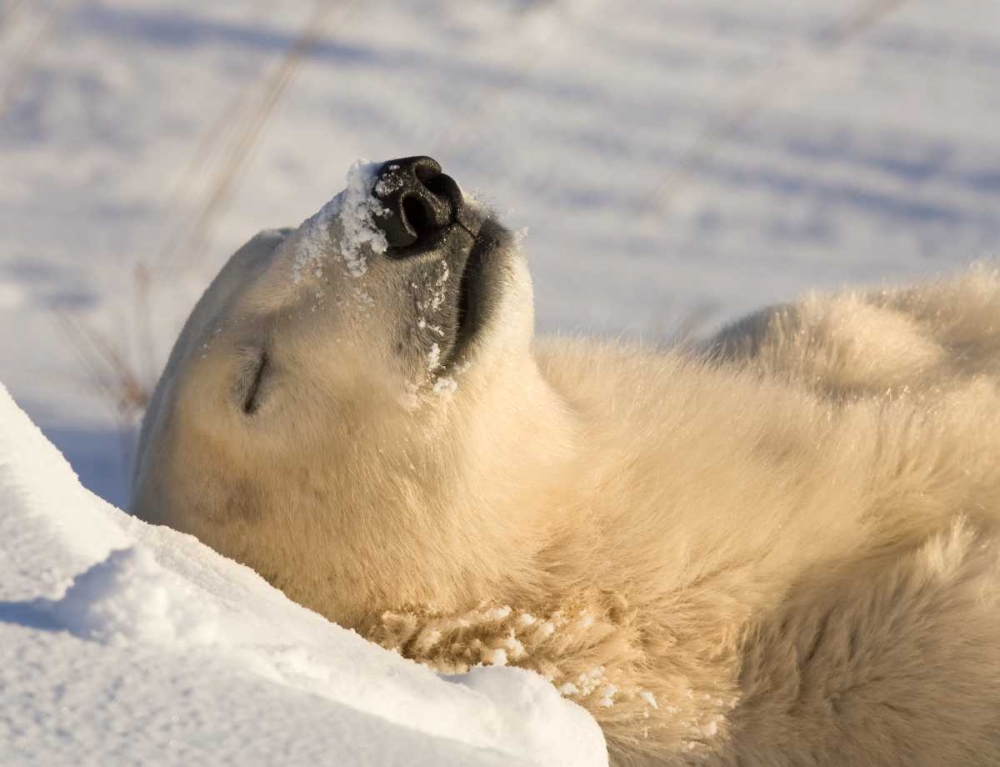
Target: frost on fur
{"points": [[590, 650], [355, 209]]}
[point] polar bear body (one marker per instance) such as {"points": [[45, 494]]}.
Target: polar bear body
{"points": [[778, 549]]}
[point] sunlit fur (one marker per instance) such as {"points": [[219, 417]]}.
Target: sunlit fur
{"points": [[778, 549]]}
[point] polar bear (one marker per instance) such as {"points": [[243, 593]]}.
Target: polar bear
{"points": [[778, 548]]}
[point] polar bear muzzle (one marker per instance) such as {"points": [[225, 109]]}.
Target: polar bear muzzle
{"points": [[423, 214]]}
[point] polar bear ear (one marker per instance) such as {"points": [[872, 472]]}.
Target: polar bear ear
{"points": [[260, 247], [270, 237]]}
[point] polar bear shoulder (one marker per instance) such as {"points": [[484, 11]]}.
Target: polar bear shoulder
{"points": [[924, 337]]}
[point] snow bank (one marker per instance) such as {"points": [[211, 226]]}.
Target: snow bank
{"points": [[121, 641]]}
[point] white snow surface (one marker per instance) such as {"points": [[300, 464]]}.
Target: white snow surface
{"points": [[122, 642]]}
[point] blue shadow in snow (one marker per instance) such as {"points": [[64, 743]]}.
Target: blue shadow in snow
{"points": [[32, 615], [183, 31]]}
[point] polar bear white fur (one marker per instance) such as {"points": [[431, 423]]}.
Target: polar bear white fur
{"points": [[779, 549]]}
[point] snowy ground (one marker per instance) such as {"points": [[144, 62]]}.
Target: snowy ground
{"points": [[674, 161]]}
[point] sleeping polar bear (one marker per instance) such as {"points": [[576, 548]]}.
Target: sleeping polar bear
{"points": [[779, 549]]}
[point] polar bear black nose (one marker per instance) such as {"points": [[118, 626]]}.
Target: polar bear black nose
{"points": [[419, 201]]}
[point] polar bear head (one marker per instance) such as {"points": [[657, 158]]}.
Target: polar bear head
{"points": [[353, 408]]}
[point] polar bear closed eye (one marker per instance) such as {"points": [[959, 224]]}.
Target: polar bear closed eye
{"points": [[779, 549]]}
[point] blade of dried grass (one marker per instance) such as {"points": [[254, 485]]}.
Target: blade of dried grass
{"points": [[192, 238]]}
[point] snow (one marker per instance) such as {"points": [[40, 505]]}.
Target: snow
{"points": [[357, 218], [129, 597], [434, 358], [354, 209], [120, 641]]}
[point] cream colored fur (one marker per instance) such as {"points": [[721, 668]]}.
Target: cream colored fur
{"points": [[782, 549]]}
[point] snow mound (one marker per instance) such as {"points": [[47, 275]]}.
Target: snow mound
{"points": [[128, 596], [120, 641]]}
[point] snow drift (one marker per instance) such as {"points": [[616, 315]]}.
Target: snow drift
{"points": [[120, 641]]}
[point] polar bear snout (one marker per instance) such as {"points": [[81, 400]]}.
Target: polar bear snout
{"points": [[420, 203]]}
